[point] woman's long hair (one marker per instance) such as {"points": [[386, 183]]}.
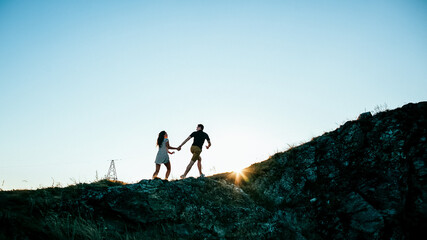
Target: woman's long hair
{"points": [[161, 138]]}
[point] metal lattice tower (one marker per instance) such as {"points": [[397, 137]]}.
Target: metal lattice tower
{"points": [[112, 174]]}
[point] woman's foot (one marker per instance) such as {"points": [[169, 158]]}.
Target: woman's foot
{"points": [[182, 176]]}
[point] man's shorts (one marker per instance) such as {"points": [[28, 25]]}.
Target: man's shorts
{"points": [[196, 153]]}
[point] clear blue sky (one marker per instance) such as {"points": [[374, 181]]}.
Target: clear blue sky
{"points": [[83, 82]]}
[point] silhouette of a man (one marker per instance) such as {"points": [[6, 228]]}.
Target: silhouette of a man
{"points": [[196, 149]]}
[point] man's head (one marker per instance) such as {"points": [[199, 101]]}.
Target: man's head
{"points": [[200, 127]]}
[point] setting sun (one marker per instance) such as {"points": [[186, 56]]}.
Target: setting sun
{"points": [[239, 175]]}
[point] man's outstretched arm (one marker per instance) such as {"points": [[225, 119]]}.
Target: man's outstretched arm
{"points": [[182, 144], [209, 144]]}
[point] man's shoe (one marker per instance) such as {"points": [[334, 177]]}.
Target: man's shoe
{"points": [[202, 175]]}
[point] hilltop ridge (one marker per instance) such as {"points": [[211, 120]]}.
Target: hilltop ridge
{"points": [[364, 180]]}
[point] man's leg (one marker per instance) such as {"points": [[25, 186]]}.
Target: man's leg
{"points": [[199, 164], [190, 165], [196, 155]]}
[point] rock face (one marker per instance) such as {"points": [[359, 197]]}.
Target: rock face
{"points": [[191, 208], [365, 180]]}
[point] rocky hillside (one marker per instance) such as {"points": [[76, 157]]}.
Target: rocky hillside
{"points": [[365, 180]]}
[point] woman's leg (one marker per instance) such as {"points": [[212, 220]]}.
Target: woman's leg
{"points": [[157, 171], [168, 167]]}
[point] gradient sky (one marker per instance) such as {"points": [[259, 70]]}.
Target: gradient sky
{"points": [[84, 82]]}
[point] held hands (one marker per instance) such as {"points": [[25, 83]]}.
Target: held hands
{"points": [[207, 147], [178, 148]]}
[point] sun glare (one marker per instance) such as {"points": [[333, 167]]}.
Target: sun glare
{"points": [[239, 175]]}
